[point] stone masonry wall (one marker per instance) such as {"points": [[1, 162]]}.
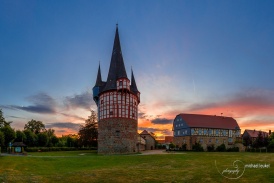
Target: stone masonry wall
{"points": [[150, 142], [190, 140], [117, 136]]}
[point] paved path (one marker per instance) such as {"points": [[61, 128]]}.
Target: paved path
{"points": [[161, 151]]}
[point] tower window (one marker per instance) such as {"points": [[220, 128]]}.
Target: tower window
{"points": [[133, 115], [117, 133], [120, 83], [102, 101], [110, 112]]}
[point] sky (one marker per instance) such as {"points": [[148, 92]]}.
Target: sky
{"points": [[201, 57]]}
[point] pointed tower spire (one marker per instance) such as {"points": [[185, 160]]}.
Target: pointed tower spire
{"points": [[133, 86], [99, 77], [117, 67]]}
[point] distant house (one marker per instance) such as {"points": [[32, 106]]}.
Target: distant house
{"points": [[205, 129], [150, 140], [166, 141], [141, 143], [18, 147], [249, 136]]}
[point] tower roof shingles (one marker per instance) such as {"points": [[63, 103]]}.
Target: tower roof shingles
{"points": [[208, 121], [117, 67], [133, 86]]}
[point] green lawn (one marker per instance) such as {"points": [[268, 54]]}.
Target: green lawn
{"points": [[87, 166]]}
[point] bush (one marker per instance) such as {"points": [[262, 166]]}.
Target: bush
{"points": [[47, 149], [221, 148], [210, 148], [271, 144], [171, 146], [184, 147], [197, 147], [233, 149]]}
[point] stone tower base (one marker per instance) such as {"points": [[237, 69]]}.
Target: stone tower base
{"points": [[117, 136]]}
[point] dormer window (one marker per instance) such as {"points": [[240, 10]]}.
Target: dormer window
{"points": [[120, 83]]}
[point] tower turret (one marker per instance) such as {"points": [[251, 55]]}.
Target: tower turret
{"points": [[98, 85], [133, 86]]}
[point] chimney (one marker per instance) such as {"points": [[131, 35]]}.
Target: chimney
{"points": [[269, 132]]}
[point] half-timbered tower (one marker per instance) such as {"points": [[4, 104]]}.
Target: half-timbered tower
{"points": [[117, 100]]}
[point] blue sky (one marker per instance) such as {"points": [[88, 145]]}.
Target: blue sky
{"points": [[207, 57]]}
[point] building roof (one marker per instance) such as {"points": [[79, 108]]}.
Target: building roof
{"points": [[208, 121], [148, 133], [144, 133], [99, 77], [18, 144], [161, 141], [255, 133], [168, 138], [133, 86], [117, 67]]}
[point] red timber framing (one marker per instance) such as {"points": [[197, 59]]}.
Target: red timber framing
{"points": [[117, 104]]}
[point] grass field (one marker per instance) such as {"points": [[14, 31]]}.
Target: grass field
{"points": [[87, 166]]}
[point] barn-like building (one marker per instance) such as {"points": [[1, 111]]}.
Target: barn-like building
{"points": [[204, 129], [149, 138], [117, 100]]}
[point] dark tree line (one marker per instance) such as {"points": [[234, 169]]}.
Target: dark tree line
{"points": [[36, 135], [88, 133], [260, 141]]}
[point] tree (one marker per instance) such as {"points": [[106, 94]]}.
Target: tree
{"points": [[261, 141], [31, 138], [2, 139], [54, 140], [42, 139], [271, 137], [71, 141], [247, 141], [88, 133], [51, 137], [35, 126], [20, 136], [271, 144], [9, 134], [2, 120]]}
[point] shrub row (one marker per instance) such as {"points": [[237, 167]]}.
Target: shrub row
{"points": [[47, 149], [210, 148]]}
